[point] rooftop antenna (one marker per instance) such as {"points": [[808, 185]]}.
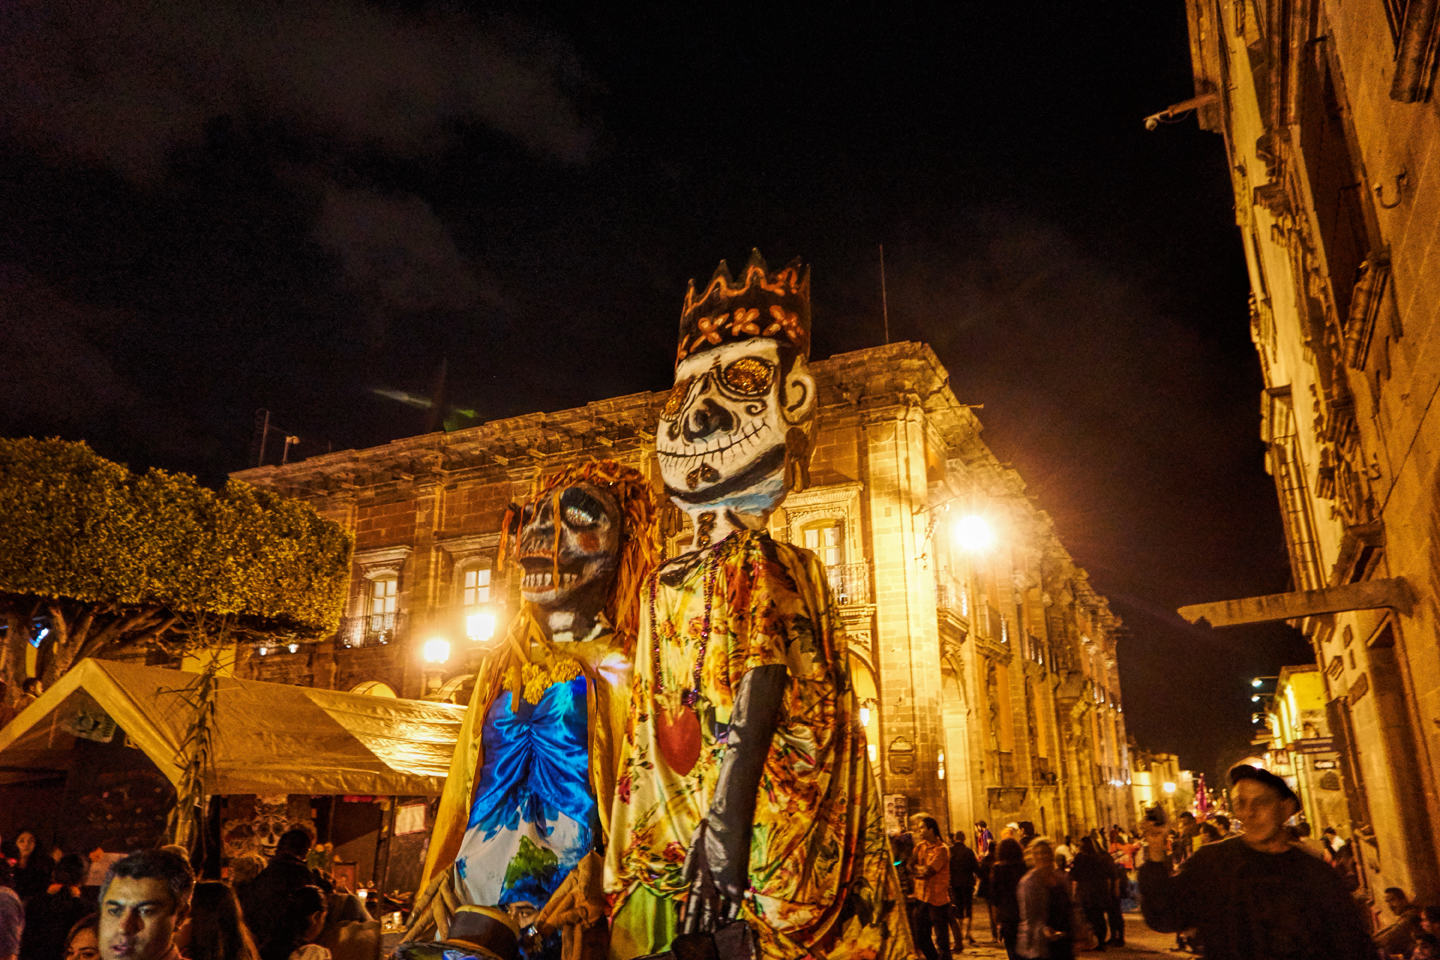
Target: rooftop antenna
{"points": [[884, 302]]}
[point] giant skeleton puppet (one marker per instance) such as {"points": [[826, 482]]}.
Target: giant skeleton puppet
{"points": [[745, 789], [522, 817]]}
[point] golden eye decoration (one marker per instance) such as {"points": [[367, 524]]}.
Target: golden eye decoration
{"points": [[749, 376], [676, 400]]}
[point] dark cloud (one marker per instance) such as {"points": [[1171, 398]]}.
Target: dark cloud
{"points": [[126, 84], [61, 375], [397, 256]]}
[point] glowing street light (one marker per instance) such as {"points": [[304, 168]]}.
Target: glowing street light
{"points": [[974, 534], [1169, 787], [437, 650], [480, 627]]}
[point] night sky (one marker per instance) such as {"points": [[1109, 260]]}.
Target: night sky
{"points": [[212, 208]]}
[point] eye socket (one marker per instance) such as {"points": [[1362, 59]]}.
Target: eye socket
{"points": [[749, 377], [579, 517], [676, 400]]}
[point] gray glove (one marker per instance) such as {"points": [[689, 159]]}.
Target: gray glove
{"points": [[718, 864]]}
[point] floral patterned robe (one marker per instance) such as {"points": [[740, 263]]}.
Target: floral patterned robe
{"points": [[822, 881]]}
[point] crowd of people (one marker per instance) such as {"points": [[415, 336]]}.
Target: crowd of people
{"points": [[148, 906], [1042, 898], [1256, 886], [1265, 890]]}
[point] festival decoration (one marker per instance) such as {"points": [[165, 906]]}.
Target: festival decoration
{"points": [[741, 675], [533, 773]]}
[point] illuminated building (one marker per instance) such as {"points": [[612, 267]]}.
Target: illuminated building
{"points": [[984, 660], [1332, 144]]}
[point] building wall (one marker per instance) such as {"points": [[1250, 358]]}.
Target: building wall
{"points": [[1335, 169], [988, 677]]}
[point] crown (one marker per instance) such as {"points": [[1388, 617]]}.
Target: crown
{"points": [[761, 304]]}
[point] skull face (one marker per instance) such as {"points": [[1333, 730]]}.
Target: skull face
{"points": [[722, 437], [581, 547]]}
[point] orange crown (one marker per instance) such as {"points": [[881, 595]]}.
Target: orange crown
{"points": [[761, 304]]}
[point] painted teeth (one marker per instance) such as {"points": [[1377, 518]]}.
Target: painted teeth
{"points": [[546, 579]]}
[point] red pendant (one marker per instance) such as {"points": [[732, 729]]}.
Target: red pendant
{"points": [[678, 736]]}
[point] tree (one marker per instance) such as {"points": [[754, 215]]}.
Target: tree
{"points": [[96, 560]]}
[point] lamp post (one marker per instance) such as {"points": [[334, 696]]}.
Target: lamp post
{"points": [[436, 651]]}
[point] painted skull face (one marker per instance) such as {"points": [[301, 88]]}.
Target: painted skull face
{"points": [[723, 431], [580, 546]]}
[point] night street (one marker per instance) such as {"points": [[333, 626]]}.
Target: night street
{"points": [[485, 481]]}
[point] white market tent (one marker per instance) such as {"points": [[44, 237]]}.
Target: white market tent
{"points": [[269, 737]]}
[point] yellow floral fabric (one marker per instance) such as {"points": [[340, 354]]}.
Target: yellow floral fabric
{"points": [[822, 881]]}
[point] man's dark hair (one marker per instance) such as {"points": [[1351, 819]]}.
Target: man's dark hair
{"points": [[155, 865], [1244, 771], [1431, 913], [31, 685], [1327, 831], [959, 836], [931, 824], [1187, 815], [983, 824], [296, 841], [1223, 820], [1397, 891], [71, 870]]}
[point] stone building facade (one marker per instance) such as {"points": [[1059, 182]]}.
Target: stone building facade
{"points": [[988, 675], [1333, 144]]}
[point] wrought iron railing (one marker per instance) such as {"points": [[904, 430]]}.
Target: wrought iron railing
{"points": [[951, 596], [371, 629], [849, 582]]}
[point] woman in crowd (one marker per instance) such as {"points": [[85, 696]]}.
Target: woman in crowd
{"points": [[1005, 877], [1093, 877], [217, 928], [1044, 896], [32, 870], [301, 923], [83, 941]]}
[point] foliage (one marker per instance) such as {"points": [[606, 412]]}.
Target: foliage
{"points": [[98, 548]]}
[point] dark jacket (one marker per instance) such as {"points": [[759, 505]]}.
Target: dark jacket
{"points": [[48, 918], [964, 865], [1004, 882], [265, 898], [1246, 903], [1092, 879]]}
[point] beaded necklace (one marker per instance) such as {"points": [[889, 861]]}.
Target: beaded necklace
{"points": [[690, 696]]}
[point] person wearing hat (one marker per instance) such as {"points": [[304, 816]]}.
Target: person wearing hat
{"points": [[1256, 894]]}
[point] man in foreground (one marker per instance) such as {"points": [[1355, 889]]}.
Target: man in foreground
{"points": [[146, 896], [932, 907], [1255, 895]]}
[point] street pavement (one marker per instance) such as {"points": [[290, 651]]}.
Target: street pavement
{"points": [[1140, 941]]}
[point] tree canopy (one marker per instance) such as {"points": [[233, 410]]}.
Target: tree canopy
{"points": [[108, 559]]}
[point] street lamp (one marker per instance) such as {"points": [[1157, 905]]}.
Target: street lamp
{"points": [[974, 533], [437, 650], [480, 627], [1169, 787]]}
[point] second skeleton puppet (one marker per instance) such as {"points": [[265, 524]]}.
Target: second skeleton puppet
{"points": [[528, 794]]}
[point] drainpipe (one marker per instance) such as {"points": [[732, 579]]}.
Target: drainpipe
{"points": [[1413, 59]]}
